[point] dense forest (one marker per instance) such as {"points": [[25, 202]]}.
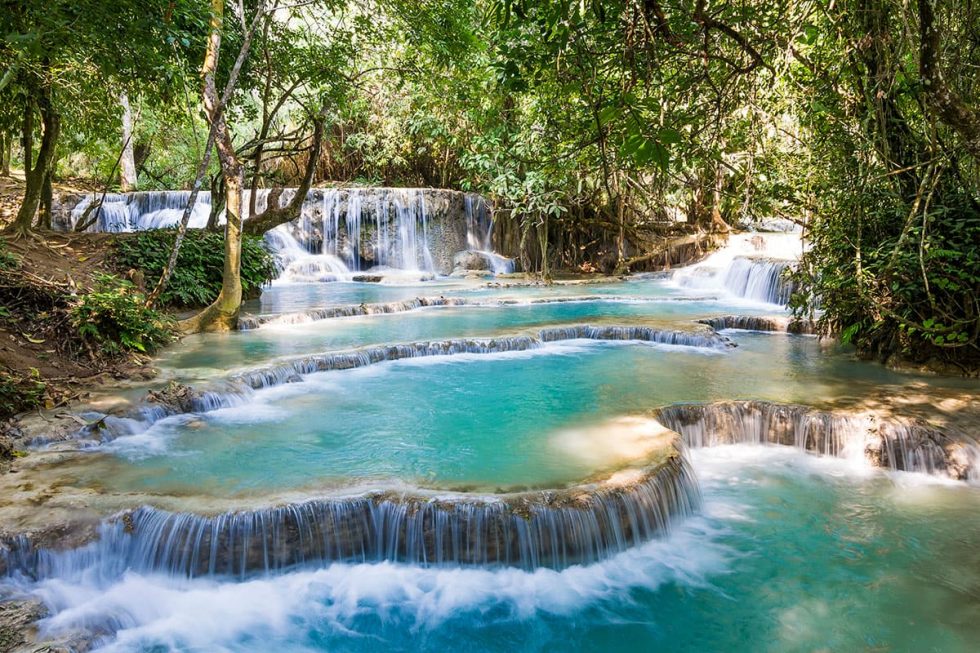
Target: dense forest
{"points": [[599, 129], [489, 325]]}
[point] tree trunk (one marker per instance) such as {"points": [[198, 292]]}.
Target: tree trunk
{"points": [[6, 149], [47, 200], [35, 175], [217, 201], [717, 222], [943, 100], [222, 314], [127, 163], [274, 215]]}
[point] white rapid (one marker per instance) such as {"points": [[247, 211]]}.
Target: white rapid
{"points": [[751, 266]]}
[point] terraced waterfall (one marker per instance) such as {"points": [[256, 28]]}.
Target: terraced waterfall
{"points": [[436, 459]]}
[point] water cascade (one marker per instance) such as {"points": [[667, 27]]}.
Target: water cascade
{"points": [[750, 266], [760, 323], [479, 238], [249, 322], [292, 370], [555, 528], [123, 212], [889, 444], [339, 230]]}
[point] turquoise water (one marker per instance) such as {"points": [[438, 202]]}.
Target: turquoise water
{"points": [[483, 420], [790, 552]]}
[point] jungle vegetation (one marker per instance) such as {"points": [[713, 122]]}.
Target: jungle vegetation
{"points": [[596, 127]]}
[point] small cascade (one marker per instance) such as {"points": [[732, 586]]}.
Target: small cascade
{"points": [[249, 322], [479, 239], [760, 279], [554, 529], [123, 212], [760, 422], [760, 323], [292, 371], [892, 445], [751, 266], [642, 333]]}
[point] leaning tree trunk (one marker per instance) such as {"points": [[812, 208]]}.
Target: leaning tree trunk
{"points": [[222, 314], [36, 175]]}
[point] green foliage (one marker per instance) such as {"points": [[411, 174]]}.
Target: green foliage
{"points": [[895, 226], [196, 280], [114, 318], [19, 393]]}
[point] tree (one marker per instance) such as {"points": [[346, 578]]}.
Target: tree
{"points": [[60, 53], [222, 314]]}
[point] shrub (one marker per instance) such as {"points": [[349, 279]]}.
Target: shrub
{"points": [[196, 279], [114, 317]]}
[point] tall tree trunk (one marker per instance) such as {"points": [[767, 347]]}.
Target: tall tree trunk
{"points": [[217, 200], [717, 222], [6, 149], [222, 314], [35, 175], [47, 200], [127, 163]]}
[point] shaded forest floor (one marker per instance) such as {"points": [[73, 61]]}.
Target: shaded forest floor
{"points": [[43, 360]]}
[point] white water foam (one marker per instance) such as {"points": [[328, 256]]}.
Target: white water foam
{"points": [[147, 611]]}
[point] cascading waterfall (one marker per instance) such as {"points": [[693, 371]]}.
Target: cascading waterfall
{"points": [[292, 370], [752, 266], [238, 389], [760, 279], [892, 445], [339, 230], [479, 233], [123, 212], [760, 323], [249, 322], [554, 529]]}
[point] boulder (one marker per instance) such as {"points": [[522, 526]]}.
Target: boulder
{"points": [[470, 259]]}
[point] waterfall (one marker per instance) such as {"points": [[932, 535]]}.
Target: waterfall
{"points": [[762, 280], [338, 231], [292, 370], [122, 212], [751, 266], [555, 529], [759, 323], [757, 279], [479, 234], [893, 445], [249, 322]]}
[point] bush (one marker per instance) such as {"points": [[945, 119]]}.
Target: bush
{"points": [[114, 317], [18, 393], [196, 280]]}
